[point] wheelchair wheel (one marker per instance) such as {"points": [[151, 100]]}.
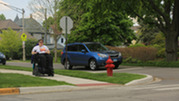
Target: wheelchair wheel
{"points": [[51, 74]]}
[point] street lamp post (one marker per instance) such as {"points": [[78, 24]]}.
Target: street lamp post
{"points": [[22, 11]]}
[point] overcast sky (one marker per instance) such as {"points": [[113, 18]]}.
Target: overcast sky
{"points": [[11, 14]]}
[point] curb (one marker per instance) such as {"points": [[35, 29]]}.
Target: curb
{"points": [[145, 80], [9, 91], [95, 84]]}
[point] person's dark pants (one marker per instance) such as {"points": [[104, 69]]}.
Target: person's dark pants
{"points": [[46, 61]]}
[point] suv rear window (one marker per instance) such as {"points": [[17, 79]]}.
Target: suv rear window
{"points": [[76, 48], [72, 48]]}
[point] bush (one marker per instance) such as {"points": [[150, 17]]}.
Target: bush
{"points": [[10, 42], [157, 63], [29, 44], [137, 53], [58, 53], [137, 45], [159, 43]]}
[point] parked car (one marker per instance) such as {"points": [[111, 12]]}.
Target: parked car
{"points": [[89, 54], [2, 58]]}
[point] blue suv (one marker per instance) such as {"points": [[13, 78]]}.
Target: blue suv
{"points": [[89, 54]]}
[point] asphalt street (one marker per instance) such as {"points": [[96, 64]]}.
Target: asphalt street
{"points": [[166, 88], [149, 92]]}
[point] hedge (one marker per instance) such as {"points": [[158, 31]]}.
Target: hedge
{"points": [[139, 53]]}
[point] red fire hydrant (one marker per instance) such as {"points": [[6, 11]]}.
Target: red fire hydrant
{"points": [[109, 66]]}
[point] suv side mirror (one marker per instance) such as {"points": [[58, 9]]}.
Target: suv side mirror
{"points": [[83, 51]]}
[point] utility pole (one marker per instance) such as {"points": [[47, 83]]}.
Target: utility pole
{"points": [[22, 11], [23, 42], [45, 26]]}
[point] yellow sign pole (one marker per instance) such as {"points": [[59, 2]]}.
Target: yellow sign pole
{"points": [[23, 37]]}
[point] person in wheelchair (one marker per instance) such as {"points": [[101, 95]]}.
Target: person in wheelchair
{"points": [[42, 53]]}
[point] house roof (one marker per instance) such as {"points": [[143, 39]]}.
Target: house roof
{"points": [[17, 18], [5, 24], [31, 25]]}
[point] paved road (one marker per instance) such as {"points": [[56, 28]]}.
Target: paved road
{"points": [[28, 64], [152, 92], [165, 90]]}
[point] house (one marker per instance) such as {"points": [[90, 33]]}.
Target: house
{"points": [[37, 31], [31, 26], [6, 24], [60, 38]]}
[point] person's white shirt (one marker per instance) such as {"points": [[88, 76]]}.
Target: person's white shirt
{"points": [[40, 50]]}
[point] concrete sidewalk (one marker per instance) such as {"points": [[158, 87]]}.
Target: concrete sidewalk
{"points": [[78, 82]]}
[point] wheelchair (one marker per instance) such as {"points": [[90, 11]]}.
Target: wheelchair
{"points": [[38, 70]]}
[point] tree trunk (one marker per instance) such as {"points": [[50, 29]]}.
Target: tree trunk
{"points": [[171, 46], [55, 37]]}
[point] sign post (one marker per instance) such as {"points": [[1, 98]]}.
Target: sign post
{"points": [[66, 23], [23, 37]]}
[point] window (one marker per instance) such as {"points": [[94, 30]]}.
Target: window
{"points": [[81, 47], [72, 48], [62, 40], [96, 47]]}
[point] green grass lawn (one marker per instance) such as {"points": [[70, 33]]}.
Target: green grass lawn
{"points": [[20, 80], [159, 63], [118, 78]]}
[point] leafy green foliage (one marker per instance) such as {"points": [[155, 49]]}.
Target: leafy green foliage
{"points": [[138, 45], [113, 28], [156, 63], [163, 14], [2, 17], [10, 42], [147, 34], [159, 43], [30, 43], [50, 21]]}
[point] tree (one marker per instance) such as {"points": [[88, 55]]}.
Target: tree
{"points": [[10, 42], [147, 34], [113, 29], [38, 7], [163, 14], [2, 17]]}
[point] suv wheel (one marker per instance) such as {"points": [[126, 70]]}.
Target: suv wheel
{"points": [[67, 65], [116, 66], [93, 64], [4, 63]]}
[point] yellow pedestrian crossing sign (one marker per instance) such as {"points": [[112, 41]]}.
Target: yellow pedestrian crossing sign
{"points": [[23, 37]]}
